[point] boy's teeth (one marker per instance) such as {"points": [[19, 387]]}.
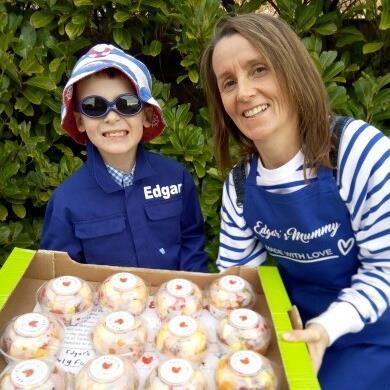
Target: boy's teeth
{"points": [[119, 133], [255, 110]]}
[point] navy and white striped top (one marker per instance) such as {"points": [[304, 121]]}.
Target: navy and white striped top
{"points": [[363, 179]]}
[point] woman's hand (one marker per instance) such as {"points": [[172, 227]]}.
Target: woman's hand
{"points": [[317, 340]]}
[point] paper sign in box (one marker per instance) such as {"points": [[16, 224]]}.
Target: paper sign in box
{"points": [[25, 270]]}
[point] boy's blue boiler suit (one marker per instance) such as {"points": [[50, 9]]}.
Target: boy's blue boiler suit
{"points": [[103, 223]]}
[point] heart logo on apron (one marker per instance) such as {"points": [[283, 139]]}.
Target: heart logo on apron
{"points": [[345, 246]]}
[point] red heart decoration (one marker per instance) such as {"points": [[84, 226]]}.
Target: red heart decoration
{"points": [[147, 359], [123, 280], [152, 305], [119, 321], [28, 372], [66, 284], [183, 324], [33, 324], [231, 281], [176, 369], [244, 361], [106, 365], [179, 287], [243, 318]]}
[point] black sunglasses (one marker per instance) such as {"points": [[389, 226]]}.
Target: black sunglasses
{"points": [[127, 104]]}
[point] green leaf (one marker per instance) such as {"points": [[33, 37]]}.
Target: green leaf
{"points": [[121, 16], [193, 75], [55, 64], [348, 35], [372, 47], [19, 210], [122, 38], [33, 95], [74, 30], [30, 65], [80, 3], [326, 29], [5, 232], [181, 78], [306, 15], [22, 104], [3, 212], [155, 48], [79, 19], [42, 82], [41, 19], [385, 16]]}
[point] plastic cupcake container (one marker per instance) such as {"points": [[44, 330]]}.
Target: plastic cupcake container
{"points": [[69, 298], [174, 374], [33, 374], [245, 370], [32, 336], [182, 337], [178, 297], [124, 291], [107, 372], [228, 293], [244, 329], [120, 333]]}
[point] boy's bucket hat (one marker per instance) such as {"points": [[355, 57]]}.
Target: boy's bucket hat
{"points": [[101, 57]]}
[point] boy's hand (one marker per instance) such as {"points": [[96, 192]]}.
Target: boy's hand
{"points": [[317, 340]]}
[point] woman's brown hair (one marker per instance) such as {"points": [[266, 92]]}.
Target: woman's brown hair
{"points": [[298, 77]]}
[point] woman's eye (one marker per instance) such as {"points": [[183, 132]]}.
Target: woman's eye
{"points": [[259, 70], [228, 84]]}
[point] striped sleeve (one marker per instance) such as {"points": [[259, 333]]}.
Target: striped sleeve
{"points": [[238, 245], [364, 185]]}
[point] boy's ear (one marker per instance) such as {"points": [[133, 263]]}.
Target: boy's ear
{"points": [[79, 122], [148, 116]]}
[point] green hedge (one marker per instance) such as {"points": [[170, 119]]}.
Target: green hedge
{"points": [[41, 40]]}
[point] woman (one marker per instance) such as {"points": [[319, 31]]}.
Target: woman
{"points": [[327, 228]]}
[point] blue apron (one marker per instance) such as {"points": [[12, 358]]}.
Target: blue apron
{"points": [[310, 235]]}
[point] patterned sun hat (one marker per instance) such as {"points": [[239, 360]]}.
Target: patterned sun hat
{"points": [[101, 57]]}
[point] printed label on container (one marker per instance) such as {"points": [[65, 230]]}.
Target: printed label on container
{"points": [[124, 281], [176, 371], [179, 287], [232, 283], [246, 362], [182, 326], [66, 285], [107, 368], [30, 373], [244, 318], [119, 322], [31, 325]]}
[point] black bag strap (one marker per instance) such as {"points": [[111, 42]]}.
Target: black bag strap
{"points": [[340, 122], [239, 175], [239, 178]]}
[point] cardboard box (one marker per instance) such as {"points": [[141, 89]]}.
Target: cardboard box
{"points": [[25, 270]]}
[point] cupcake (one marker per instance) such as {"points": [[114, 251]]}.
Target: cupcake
{"points": [[124, 291], [33, 375], [120, 333], [228, 293], [174, 374], [245, 370], [182, 337], [107, 372], [178, 297], [32, 336], [69, 298], [244, 329]]}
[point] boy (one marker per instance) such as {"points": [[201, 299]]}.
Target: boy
{"points": [[125, 206]]}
